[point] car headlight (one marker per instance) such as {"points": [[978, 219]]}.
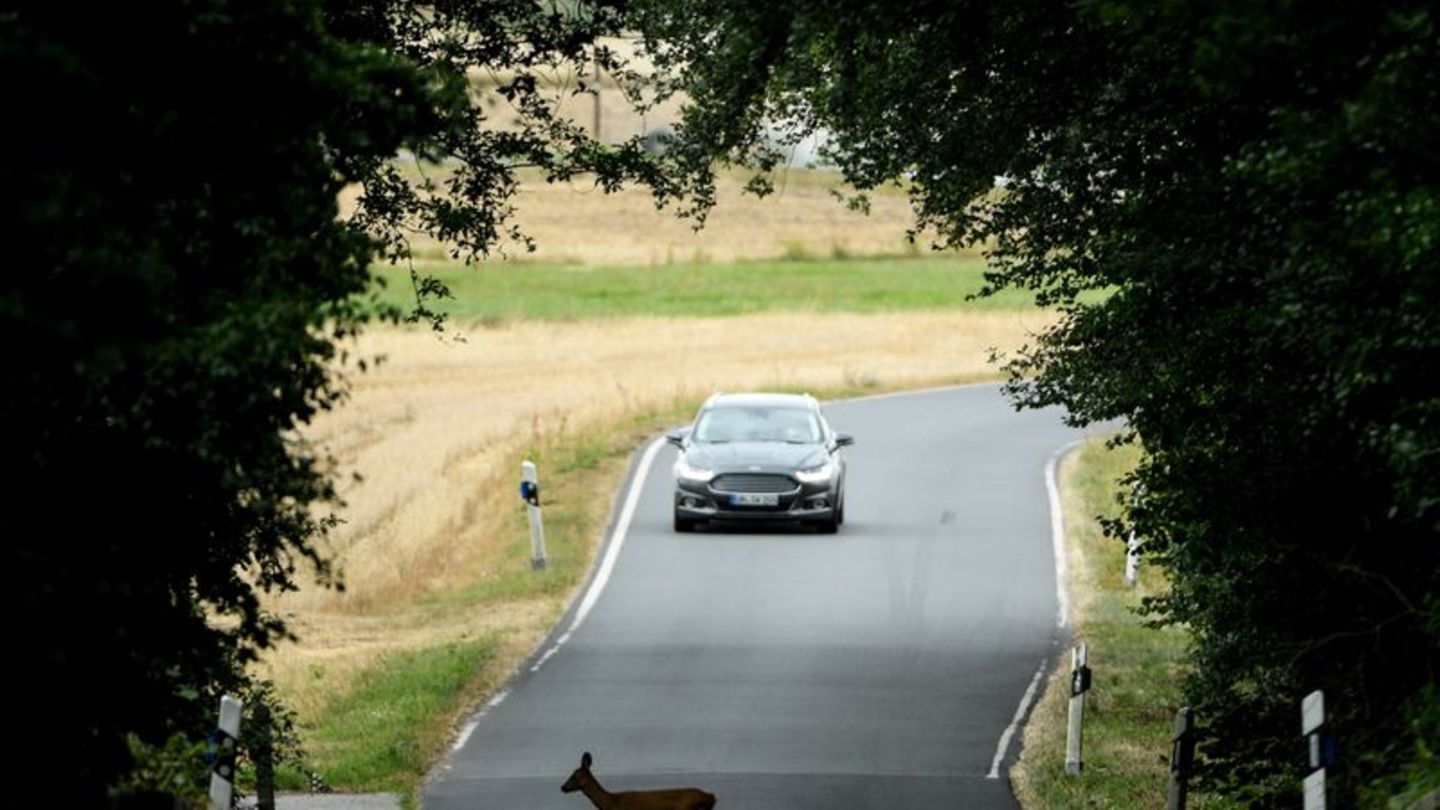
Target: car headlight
{"points": [[696, 474], [816, 475]]}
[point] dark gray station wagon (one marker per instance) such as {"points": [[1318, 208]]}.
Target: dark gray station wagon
{"points": [[767, 457]]}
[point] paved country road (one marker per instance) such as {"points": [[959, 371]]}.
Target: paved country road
{"points": [[778, 668]]}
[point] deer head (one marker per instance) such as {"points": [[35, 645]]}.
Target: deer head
{"points": [[581, 775]]}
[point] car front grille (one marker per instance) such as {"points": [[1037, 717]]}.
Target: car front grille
{"points": [[753, 483]]}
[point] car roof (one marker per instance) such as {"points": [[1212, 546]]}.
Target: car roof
{"points": [[762, 400]]}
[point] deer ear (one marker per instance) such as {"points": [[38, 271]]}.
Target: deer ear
{"points": [[585, 760]]}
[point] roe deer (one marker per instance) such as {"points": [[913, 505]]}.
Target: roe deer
{"points": [[675, 799]]}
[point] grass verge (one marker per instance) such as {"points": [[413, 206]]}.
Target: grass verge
{"points": [[1137, 671], [382, 735]]}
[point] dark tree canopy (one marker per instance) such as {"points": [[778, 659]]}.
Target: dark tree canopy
{"points": [[1257, 188], [181, 283]]}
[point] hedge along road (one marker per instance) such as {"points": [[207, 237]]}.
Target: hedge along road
{"points": [[777, 668]]}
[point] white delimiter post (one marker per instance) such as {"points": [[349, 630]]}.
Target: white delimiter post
{"points": [[1312, 717], [222, 775], [537, 525], [1079, 684], [1132, 543], [1132, 559]]}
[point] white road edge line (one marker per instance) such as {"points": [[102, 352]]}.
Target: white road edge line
{"points": [[617, 541], [612, 552], [1062, 598], [1057, 533], [475, 721], [1015, 723], [559, 642], [464, 735]]}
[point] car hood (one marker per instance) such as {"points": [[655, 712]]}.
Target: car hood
{"points": [[769, 457]]}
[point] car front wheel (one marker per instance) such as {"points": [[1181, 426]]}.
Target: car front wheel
{"points": [[831, 524]]}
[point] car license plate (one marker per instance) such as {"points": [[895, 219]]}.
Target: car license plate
{"points": [[755, 499]]}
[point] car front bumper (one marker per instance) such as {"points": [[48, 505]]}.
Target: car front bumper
{"points": [[804, 502]]}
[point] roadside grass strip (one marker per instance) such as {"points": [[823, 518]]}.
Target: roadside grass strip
{"points": [[1137, 670], [385, 733]]}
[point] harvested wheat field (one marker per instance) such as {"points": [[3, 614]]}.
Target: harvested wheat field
{"points": [[801, 218], [576, 222], [436, 428]]}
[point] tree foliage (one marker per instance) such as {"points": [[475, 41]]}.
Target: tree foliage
{"points": [[1257, 188], [505, 67], [181, 285]]}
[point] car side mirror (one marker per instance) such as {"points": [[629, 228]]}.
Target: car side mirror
{"points": [[677, 437], [844, 440]]}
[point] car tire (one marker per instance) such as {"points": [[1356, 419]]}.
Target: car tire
{"points": [[682, 525], [840, 512], [830, 526]]}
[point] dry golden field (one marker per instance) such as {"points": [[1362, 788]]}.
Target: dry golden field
{"points": [[575, 222]]}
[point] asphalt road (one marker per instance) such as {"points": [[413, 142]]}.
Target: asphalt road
{"points": [[778, 668]]}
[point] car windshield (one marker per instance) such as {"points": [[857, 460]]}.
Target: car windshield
{"points": [[793, 425]]}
